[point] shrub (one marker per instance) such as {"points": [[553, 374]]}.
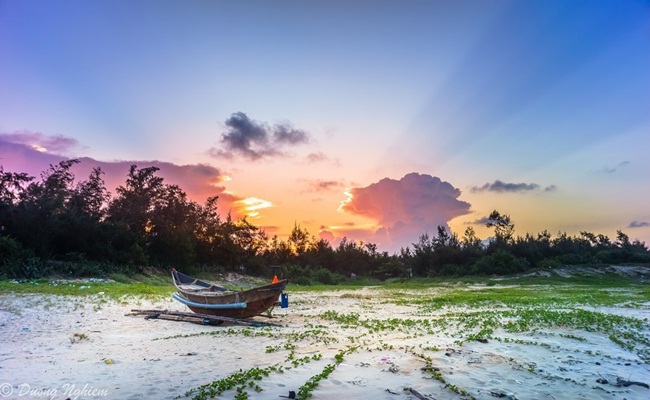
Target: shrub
{"points": [[13, 256], [297, 274], [500, 263], [549, 263], [326, 277]]}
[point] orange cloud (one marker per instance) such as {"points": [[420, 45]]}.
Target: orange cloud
{"points": [[250, 206]]}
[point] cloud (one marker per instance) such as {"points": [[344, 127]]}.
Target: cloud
{"points": [[255, 140], [611, 170], [23, 157], [327, 235], [57, 144], [317, 157], [479, 221], [405, 209], [199, 181], [324, 185], [250, 206], [638, 224], [503, 187]]}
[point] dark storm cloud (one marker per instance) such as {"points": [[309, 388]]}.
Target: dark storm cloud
{"points": [[504, 187], [255, 140]]}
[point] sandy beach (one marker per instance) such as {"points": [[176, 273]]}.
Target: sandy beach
{"points": [[59, 347]]}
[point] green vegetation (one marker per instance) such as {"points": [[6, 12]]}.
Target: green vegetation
{"points": [[118, 291], [60, 226], [238, 380], [542, 312], [78, 337], [548, 313]]}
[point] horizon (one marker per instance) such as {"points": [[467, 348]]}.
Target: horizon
{"points": [[375, 121]]}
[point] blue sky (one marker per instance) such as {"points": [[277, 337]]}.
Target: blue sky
{"points": [[549, 98]]}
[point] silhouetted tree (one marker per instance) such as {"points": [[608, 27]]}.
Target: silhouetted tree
{"points": [[135, 201], [56, 226], [504, 228]]}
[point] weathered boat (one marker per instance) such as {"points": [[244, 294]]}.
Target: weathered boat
{"points": [[207, 298]]}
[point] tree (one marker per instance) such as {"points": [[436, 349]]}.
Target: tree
{"points": [[470, 240], [300, 241], [503, 227], [421, 261], [130, 213], [206, 229], [135, 201], [82, 233], [91, 197], [352, 258], [170, 228], [41, 214], [11, 185], [622, 240], [471, 247]]}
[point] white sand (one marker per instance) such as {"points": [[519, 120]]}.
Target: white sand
{"points": [[115, 356]]}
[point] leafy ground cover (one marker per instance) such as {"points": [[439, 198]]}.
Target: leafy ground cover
{"points": [[536, 327], [536, 315]]}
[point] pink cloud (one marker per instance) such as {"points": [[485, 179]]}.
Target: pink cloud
{"points": [[56, 144], [404, 209], [326, 235], [199, 181], [17, 157]]}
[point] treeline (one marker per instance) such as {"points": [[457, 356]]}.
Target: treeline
{"points": [[59, 225]]}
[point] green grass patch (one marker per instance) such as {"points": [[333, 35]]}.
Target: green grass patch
{"points": [[111, 289]]}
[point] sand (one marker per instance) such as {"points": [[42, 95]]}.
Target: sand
{"points": [[58, 347]]}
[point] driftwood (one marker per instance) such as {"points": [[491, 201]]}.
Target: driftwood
{"points": [[624, 383], [417, 394], [202, 319], [181, 318], [500, 394]]}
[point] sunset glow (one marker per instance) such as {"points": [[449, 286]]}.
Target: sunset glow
{"points": [[348, 199], [251, 206], [373, 121]]}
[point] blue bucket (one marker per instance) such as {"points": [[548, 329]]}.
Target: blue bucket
{"points": [[284, 300]]}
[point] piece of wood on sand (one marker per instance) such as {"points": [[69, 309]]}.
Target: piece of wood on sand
{"points": [[202, 319], [417, 394]]}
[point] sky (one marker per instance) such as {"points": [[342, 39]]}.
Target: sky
{"points": [[377, 121]]}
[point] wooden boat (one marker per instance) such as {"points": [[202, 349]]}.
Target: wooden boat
{"points": [[207, 298]]}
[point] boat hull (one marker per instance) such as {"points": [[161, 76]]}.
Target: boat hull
{"points": [[205, 298]]}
